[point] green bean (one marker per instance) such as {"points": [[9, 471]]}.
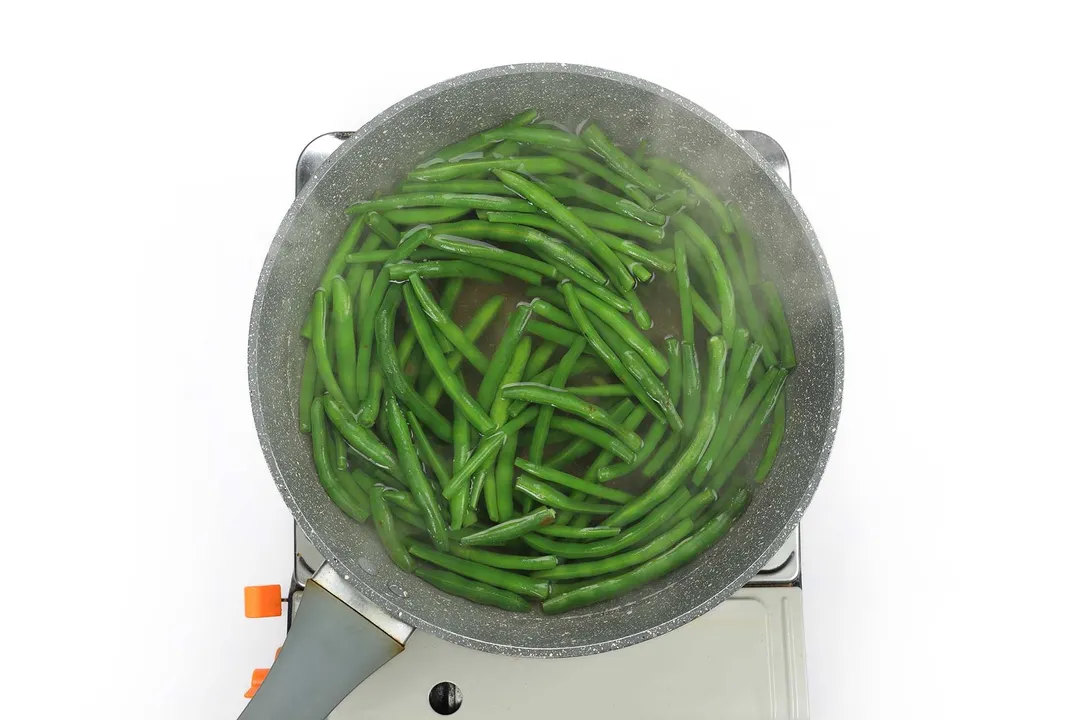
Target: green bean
{"points": [[477, 187], [562, 374], [593, 288], [652, 386], [584, 365], [659, 459], [695, 186], [414, 476], [475, 414], [440, 199], [602, 348], [489, 386], [640, 379], [611, 177], [320, 343], [620, 245], [691, 385], [307, 389], [609, 390], [345, 495], [461, 433], [373, 307], [783, 331], [652, 440], [633, 337], [473, 590], [674, 356], [504, 149], [410, 217], [391, 369], [337, 260], [551, 497], [724, 289], [732, 401], [446, 326], [629, 537], [709, 320], [645, 573], [500, 498], [483, 251], [504, 560], [638, 311], [481, 318], [530, 237], [372, 256], [530, 165], [544, 137], [384, 229], [384, 526], [341, 316], [574, 483], [776, 437], [444, 269], [538, 360], [510, 529], [746, 244], [735, 361], [673, 478], [477, 142], [341, 460], [747, 408], [619, 224], [369, 408], [692, 508], [402, 499], [674, 202], [682, 282], [485, 450], [529, 276], [427, 451], [602, 198], [593, 532], [741, 447], [492, 576], [594, 435], [569, 403], [617, 160], [615, 563], [559, 212], [580, 446], [365, 442], [411, 519]]}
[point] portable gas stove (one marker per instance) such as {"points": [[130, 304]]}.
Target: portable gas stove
{"points": [[744, 660]]}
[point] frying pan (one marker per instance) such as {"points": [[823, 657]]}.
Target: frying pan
{"points": [[359, 609]]}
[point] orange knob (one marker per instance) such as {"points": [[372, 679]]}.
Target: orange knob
{"points": [[262, 601], [257, 677]]}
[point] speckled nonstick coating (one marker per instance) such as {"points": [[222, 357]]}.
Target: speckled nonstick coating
{"points": [[628, 109]]}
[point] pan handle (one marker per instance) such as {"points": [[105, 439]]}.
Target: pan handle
{"points": [[337, 639]]}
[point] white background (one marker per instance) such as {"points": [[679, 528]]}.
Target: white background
{"points": [[149, 151]]}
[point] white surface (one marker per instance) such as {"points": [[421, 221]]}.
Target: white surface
{"points": [[728, 664], [955, 255]]}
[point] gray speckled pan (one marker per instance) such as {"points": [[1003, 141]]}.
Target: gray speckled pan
{"points": [[628, 108]]}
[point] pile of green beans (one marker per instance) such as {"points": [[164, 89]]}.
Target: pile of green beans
{"points": [[561, 448]]}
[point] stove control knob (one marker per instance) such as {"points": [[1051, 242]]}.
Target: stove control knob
{"points": [[257, 677], [262, 601]]}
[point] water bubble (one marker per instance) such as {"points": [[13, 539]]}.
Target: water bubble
{"points": [[397, 590]]}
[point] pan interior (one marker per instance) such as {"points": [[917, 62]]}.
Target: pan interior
{"points": [[628, 109]]}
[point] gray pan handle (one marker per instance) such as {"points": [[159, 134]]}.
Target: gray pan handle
{"points": [[337, 639]]}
